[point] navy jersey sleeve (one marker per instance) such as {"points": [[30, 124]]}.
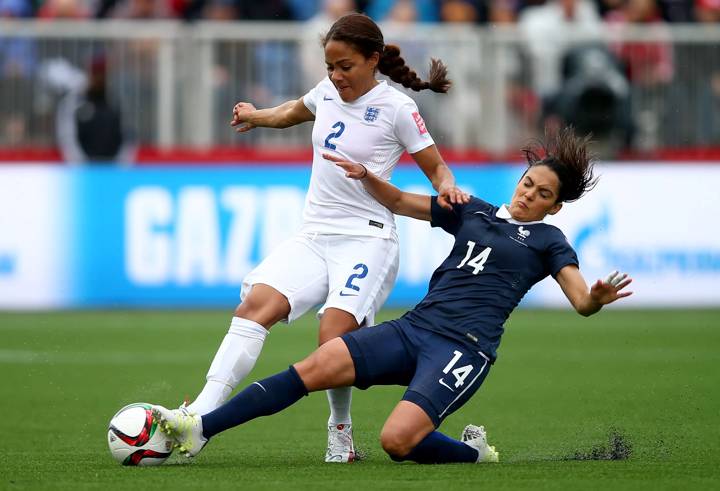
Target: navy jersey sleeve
{"points": [[448, 220], [560, 254]]}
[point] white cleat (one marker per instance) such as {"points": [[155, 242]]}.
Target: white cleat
{"points": [[340, 447], [475, 437], [182, 426]]}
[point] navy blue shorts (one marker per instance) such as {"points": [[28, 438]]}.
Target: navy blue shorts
{"points": [[440, 373]]}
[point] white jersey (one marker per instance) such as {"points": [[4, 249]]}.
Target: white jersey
{"points": [[373, 130]]}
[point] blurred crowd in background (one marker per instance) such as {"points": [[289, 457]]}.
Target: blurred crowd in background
{"points": [[472, 11], [636, 95]]}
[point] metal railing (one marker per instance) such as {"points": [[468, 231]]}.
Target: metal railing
{"points": [[644, 87]]}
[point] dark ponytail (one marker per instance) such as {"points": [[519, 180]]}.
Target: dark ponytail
{"points": [[361, 32], [393, 65]]}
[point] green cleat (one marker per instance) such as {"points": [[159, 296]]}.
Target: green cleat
{"points": [[184, 427]]}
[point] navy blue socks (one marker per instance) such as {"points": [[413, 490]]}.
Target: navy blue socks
{"points": [[437, 448], [273, 394], [261, 398]]}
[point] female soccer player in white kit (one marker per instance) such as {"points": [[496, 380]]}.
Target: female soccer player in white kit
{"points": [[345, 256]]}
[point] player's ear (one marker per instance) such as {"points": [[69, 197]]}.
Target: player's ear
{"points": [[374, 60], [555, 208]]}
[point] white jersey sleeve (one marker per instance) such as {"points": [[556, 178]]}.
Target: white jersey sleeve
{"points": [[410, 129], [310, 99]]}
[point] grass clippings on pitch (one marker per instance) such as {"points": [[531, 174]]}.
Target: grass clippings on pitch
{"points": [[617, 447]]}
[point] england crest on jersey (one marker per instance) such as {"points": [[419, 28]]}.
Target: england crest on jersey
{"points": [[371, 114]]}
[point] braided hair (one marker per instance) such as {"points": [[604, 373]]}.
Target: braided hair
{"points": [[568, 156], [363, 34]]}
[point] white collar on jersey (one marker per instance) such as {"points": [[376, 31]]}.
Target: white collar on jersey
{"points": [[382, 84], [504, 213]]}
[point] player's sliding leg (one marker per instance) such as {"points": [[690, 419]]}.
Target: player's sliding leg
{"points": [[409, 434], [329, 366], [239, 350], [191, 432], [340, 446]]}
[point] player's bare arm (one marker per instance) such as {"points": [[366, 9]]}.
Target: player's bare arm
{"points": [[588, 301], [395, 200], [290, 113], [432, 164]]}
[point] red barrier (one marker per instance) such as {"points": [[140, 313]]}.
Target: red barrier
{"points": [[303, 155]]}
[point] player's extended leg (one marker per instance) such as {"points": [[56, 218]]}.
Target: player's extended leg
{"points": [[235, 358], [340, 448], [409, 434], [329, 366]]}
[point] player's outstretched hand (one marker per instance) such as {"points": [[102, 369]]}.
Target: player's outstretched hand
{"points": [[241, 111], [449, 195], [352, 170], [608, 290]]}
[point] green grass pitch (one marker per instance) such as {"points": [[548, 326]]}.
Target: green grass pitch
{"points": [[561, 386]]}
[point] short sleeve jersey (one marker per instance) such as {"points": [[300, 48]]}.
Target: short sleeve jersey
{"points": [[495, 260], [373, 130]]}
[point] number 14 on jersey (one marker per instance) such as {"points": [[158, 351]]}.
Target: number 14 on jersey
{"points": [[478, 262]]}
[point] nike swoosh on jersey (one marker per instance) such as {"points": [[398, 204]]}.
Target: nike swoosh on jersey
{"points": [[481, 213], [442, 382], [348, 294], [326, 98]]}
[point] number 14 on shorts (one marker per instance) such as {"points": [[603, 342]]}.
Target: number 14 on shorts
{"points": [[460, 373]]}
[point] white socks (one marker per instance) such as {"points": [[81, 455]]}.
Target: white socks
{"points": [[339, 399], [235, 358]]}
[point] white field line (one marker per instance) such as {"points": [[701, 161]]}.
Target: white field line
{"points": [[28, 357]]}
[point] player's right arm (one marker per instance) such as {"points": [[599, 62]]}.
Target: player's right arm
{"points": [[395, 200], [285, 115]]}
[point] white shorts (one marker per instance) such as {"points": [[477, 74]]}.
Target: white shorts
{"points": [[350, 273]]}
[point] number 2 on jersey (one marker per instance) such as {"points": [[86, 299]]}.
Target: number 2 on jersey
{"points": [[340, 127], [478, 262]]}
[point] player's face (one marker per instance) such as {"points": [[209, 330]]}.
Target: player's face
{"points": [[536, 195], [350, 72]]}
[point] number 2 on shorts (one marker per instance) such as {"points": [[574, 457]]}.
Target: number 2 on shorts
{"points": [[363, 271]]}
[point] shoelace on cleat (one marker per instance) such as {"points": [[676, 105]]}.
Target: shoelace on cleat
{"points": [[472, 433]]}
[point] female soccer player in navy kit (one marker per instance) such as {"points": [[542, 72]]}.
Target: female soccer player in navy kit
{"points": [[345, 257], [442, 349]]}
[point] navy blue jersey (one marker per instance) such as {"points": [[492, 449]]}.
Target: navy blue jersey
{"points": [[493, 263]]}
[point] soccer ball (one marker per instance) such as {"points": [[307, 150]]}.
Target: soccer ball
{"points": [[135, 439]]}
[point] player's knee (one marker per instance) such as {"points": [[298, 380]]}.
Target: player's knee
{"points": [[395, 443], [247, 309], [312, 371], [265, 314]]}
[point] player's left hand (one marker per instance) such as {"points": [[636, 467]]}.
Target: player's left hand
{"points": [[608, 290], [352, 170], [450, 194]]}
